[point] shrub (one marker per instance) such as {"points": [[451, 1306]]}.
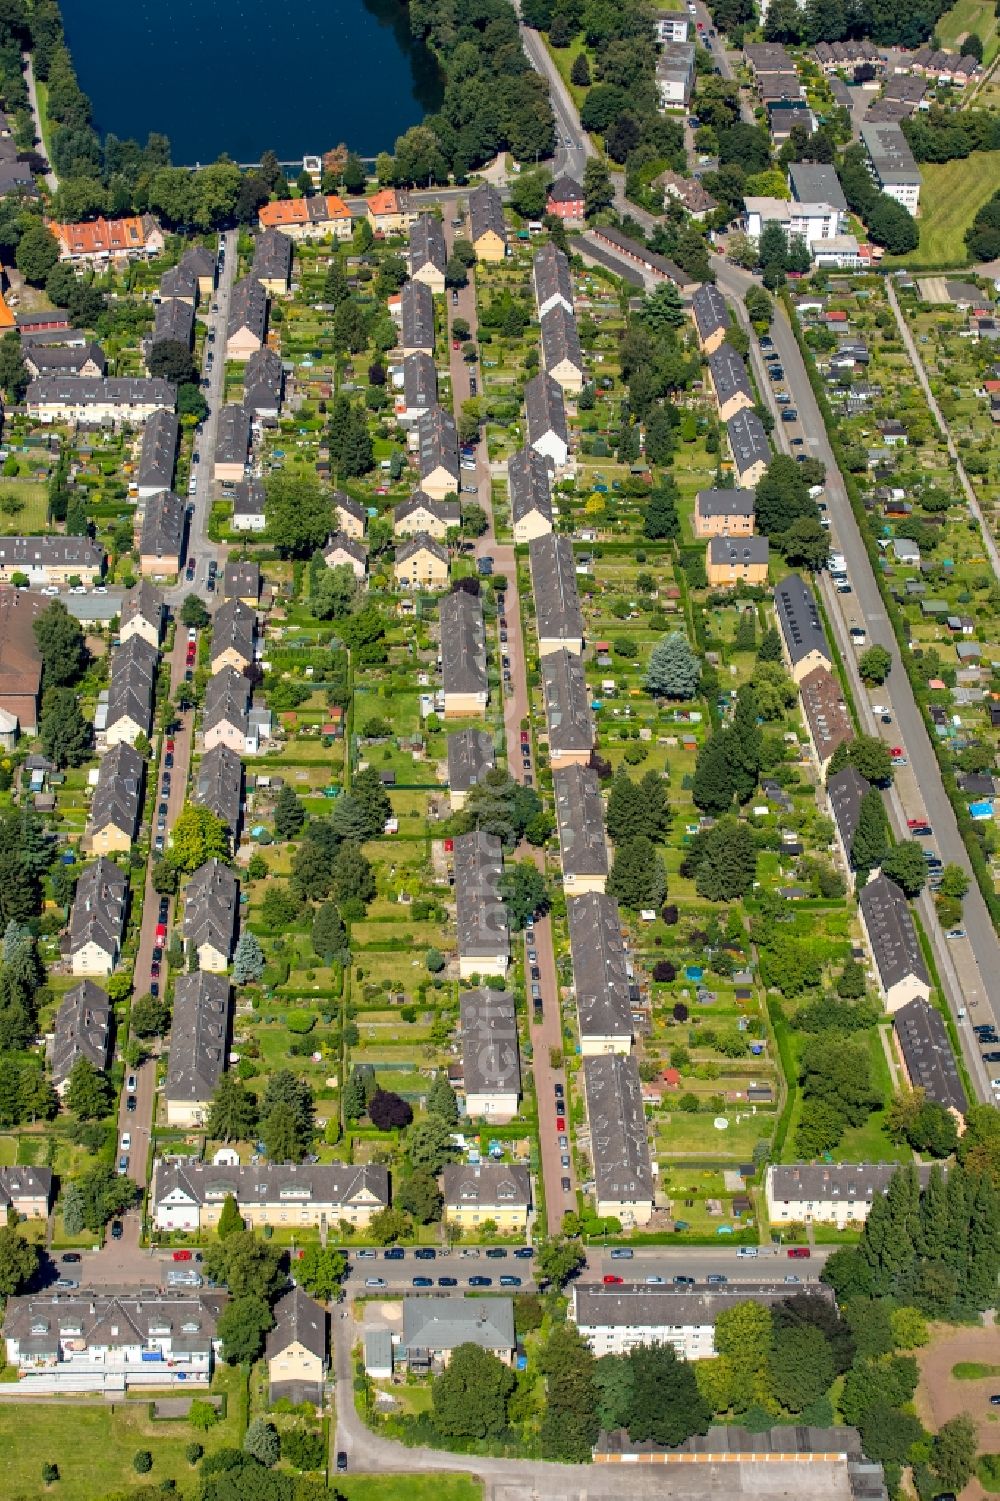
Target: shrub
{"points": [[142, 1461], [664, 971], [303, 1449], [193, 1453], [300, 1021]]}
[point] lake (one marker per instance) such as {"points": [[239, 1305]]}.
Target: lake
{"points": [[241, 77]]}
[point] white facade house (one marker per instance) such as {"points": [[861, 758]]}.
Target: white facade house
{"points": [[839, 1194], [616, 1319]]}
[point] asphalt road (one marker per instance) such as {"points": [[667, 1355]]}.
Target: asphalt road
{"points": [[968, 968], [574, 145]]}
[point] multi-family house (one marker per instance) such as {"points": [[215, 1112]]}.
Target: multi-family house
{"points": [[421, 563], [480, 910], [724, 513], [580, 820], [802, 635], [161, 540], [158, 454], [310, 218], [437, 453], [263, 385], [234, 635], [529, 494], [471, 754], [601, 974], [246, 329], [97, 918], [116, 808], [98, 401], [422, 513], [730, 561], [199, 1043], [545, 419], [83, 1029], [557, 599], [749, 447], [226, 718], [417, 388], [272, 262], [102, 242], [487, 230], [232, 445], [491, 1060], [562, 352], [416, 317], [131, 692], [428, 253], [250, 506], [481, 1191], [623, 1172], [552, 281], [51, 560], [464, 679], [190, 1196], [342, 551], [891, 934], [218, 786], [297, 1350], [211, 914], [568, 715], [141, 614]]}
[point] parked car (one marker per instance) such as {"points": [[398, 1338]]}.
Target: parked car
{"points": [[375, 1282], [341, 1460], [524, 1253], [447, 1282], [423, 1282], [509, 1281], [799, 1253], [496, 1253], [622, 1253], [70, 1256], [480, 1281], [611, 1280], [425, 1253]]}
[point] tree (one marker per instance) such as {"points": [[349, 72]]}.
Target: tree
{"points": [[570, 1422], [469, 1399], [905, 864], [875, 664], [388, 1225], [529, 193], [723, 861], [37, 253], [248, 959], [598, 194], [142, 1461], [351, 877], [559, 1260], [329, 936], [194, 613], [241, 1327], [498, 805], [60, 642], [637, 877], [249, 1267], [579, 75], [89, 1093], [280, 1134], [953, 1456], [299, 514], [674, 670], [13, 371], [233, 1112], [666, 1406], [800, 1366], [420, 1196], [429, 1144], [871, 833], [321, 1271], [18, 1261], [171, 360], [389, 1111], [149, 1016], [64, 733], [262, 1442], [954, 882], [525, 893], [637, 807], [868, 755], [660, 520], [303, 1449], [289, 814], [742, 1340], [334, 593], [442, 1101], [230, 1220], [198, 835]]}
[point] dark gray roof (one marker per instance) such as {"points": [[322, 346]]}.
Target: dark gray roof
{"points": [[421, 542], [248, 308], [568, 713], [747, 440], [64, 359], [640, 255], [442, 1322], [179, 281], [552, 279], [845, 789], [19, 1182], [553, 582], [273, 1182], [851, 1182], [480, 913], [726, 502], [82, 1030], [174, 320], [545, 409], [565, 190], [710, 311], [272, 257], [144, 602], [437, 442], [199, 1037], [341, 542], [930, 1062], [471, 754], [99, 907], [560, 339], [486, 213], [491, 1063], [263, 378], [218, 785], [738, 550], [463, 644], [729, 374], [487, 1184], [241, 580], [351, 507], [96, 390], [890, 154], [298, 1320], [159, 451], [233, 441], [600, 966], [427, 247], [211, 907], [892, 933], [234, 626], [416, 306], [200, 260], [528, 487], [637, 1305], [798, 619], [117, 800], [50, 552], [163, 527], [447, 511], [133, 683], [249, 498], [580, 816], [620, 1149], [816, 182], [420, 384], [114, 1320]]}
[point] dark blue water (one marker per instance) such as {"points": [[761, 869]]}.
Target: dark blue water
{"points": [[247, 76]]}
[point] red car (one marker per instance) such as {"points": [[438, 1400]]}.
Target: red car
{"points": [[799, 1253], [612, 1281], [525, 737], [161, 934], [560, 1123], [169, 746], [897, 750], [182, 1255]]}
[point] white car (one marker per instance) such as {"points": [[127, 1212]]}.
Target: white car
{"points": [[126, 1141], [375, 1282], [50, 590]]}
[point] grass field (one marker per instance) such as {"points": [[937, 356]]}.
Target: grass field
{"points": [[24, 505], [409, 1487], [94, 1446], [966, 16], [951, 196]]}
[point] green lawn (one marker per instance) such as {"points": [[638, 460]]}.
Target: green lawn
{"points": [[94, 1446], [951, 196], [24, 505], [409, 1487], [966, 16]]}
